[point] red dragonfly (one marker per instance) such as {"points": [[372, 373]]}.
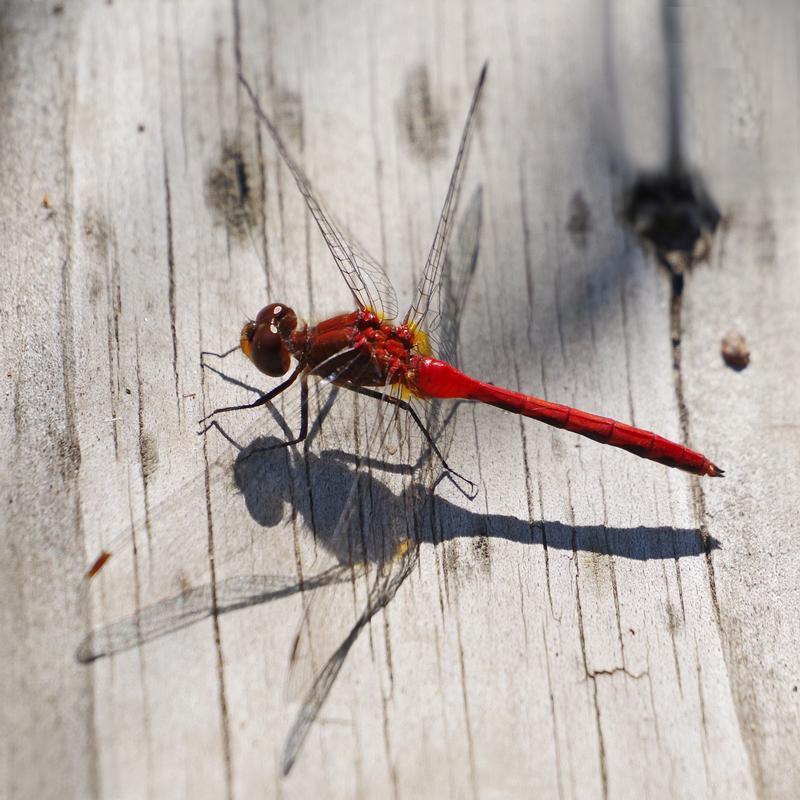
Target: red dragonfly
{"points": [[370, 352], [367, 528]]}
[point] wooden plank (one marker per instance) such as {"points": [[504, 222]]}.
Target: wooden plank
{"points": [[569, 632]]}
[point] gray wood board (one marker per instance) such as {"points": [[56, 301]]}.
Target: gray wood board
{"points": [[568, 633]]}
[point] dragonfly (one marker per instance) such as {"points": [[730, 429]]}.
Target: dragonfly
{"points": [[402, 364], [397, 374], [372, 352]]}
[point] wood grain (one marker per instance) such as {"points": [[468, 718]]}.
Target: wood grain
{"points": [[591, 625]]}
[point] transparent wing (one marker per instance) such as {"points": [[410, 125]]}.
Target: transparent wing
{"points": [[160, 560], [384, 585], [193, 605], [428, 286], [446, 311], [366, 279], [376, 538]]}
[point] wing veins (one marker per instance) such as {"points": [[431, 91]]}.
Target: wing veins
{"points": [[345, 253], [427, 286]]}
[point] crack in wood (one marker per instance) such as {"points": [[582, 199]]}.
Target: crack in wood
{"points": [[590, 675], [220, 660], [698, 496], [171, 278], [465, 703]]}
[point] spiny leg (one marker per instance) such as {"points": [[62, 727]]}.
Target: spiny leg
{"points": [[406, 406], [259, 401]]}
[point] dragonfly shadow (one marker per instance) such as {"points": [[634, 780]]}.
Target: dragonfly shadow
{"points": [[260, 475], [446, 521]]}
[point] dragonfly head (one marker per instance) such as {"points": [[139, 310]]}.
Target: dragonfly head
{"points": [[264, 340]]}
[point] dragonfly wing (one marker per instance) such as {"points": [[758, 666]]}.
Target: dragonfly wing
{"points": [[188, 607], [375, 539], [164, 551], [365, 278], [446, 313], [386, 582], [428, 286], [374, 277]]}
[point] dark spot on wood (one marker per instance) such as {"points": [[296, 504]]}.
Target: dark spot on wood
{"points": [[46, 201], [734, 350], [140, 127], [451, 556], [228, 193], [69, 454], [184, 583], [481, 550], [58, 8], [579, 220], [674, 621], [97, 232], [423, 122], [674, 215], [765, 243], [127, 391], [95, 287], [597, 563], [149, 455]]}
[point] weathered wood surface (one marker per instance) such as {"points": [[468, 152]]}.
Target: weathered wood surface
{"points": [[568, 634]]}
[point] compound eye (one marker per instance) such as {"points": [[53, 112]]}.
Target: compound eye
{"points": [[269, 352], [263, 343]]}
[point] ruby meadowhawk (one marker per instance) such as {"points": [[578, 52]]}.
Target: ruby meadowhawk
{"points": [[396, 372], [370, 352]]}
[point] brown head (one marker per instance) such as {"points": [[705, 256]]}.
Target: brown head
{"points": [[264, 341]]}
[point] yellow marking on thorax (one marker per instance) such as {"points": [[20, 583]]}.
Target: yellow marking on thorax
{"points": [[422, 344]]}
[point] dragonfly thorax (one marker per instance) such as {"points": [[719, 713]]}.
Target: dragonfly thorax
{"points": [[264, 340], [389, 347]]}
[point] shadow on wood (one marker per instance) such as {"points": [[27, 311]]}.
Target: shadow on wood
{"points": [[259, 475], [255, 474]]}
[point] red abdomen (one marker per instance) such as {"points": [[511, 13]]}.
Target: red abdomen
{"points": [[430, 377]]}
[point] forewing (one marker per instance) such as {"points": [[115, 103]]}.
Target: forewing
{"points": [[366, 279], [446, 313], [428, 286], [376, 538]]}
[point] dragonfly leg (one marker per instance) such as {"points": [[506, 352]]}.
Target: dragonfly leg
{"points": [[303, 422], [406, 406], [219, 355], [303, 416], [258, 402]]}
